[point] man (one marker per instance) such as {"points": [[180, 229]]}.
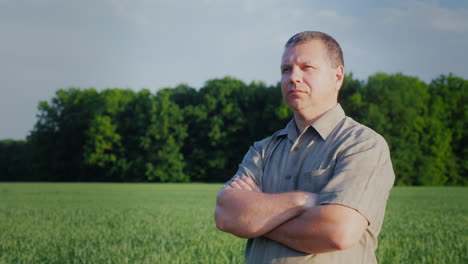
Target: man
{"points": [[315, 191]]}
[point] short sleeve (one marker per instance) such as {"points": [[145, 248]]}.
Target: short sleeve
{"points": [[252, 165], [362, 179]]}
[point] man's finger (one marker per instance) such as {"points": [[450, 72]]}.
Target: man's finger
{"points": [[235, 185], [243, 184], [251, 183]]}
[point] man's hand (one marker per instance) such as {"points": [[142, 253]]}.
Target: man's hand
{"points": [[245, 183], [243, 210]]}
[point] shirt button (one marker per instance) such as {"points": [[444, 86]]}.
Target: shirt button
{"points": [[296, 149], [288, 177]]}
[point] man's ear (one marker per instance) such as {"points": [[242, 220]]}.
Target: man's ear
{"points": [[339, 77]]}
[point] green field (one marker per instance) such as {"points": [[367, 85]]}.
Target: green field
{"points": [[173, 223]]}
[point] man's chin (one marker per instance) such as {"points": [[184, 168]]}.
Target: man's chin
{"points": [[295, 104], [296, 107]]}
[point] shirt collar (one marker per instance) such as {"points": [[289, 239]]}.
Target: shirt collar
{"points": [[290, 130], [328, 121], [324, 125]]}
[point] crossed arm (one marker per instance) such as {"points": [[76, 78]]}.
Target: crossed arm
{"points": [[292, 219]]}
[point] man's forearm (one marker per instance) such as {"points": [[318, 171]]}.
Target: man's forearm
{"points": [[320, 229], [251, 214]]}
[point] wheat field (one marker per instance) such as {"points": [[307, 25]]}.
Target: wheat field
{"points": [[173, 223]]}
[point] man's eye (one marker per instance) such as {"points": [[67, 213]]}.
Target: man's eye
{"points": [[285, 70]]}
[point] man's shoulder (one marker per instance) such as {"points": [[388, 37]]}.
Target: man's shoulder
{"points": [[355, 138], [263, 144], [353, 131]]}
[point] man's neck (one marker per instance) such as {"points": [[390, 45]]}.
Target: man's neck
{"points": [[304, 119]]}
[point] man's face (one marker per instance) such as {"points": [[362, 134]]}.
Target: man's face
{"points": [[308, 81]]}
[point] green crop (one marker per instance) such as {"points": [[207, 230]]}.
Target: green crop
{"points": [[173, 223]]}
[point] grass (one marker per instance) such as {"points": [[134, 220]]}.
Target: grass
{"points": [[425, 225], [173, 223]]}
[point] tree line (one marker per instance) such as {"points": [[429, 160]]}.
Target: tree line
{"points": [[184, 134]]}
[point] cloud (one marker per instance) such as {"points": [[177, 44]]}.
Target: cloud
{"points": [[426, 15], [137, 12], [331, 16], [451, 20]]}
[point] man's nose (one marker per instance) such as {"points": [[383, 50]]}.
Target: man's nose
{"points": [[296, 76]]}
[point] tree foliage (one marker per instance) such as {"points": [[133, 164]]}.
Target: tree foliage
{"points": [[185, 134]]}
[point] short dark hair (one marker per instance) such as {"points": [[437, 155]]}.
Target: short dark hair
{"points": [[332, 48]]}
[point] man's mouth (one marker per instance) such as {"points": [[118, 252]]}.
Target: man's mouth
{"points": [[295, 91]]}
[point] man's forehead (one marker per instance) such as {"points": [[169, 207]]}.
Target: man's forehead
{"points": [[312, 50]]}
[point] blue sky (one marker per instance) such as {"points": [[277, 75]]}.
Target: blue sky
{"points": [[46, 45]]}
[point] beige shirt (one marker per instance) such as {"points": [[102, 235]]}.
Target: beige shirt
{"points": [[343, 161]]}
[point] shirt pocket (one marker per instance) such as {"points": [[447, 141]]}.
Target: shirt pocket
{"points": [[314, 181]]}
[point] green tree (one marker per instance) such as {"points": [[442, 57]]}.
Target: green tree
{"points": [[152, 132], [350, 97], [449, 107], [14, 160], [223, 119], [103, 145], [57, 139], [164, 139]]}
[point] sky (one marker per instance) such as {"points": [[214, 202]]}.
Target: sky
{"points": [[47, 45]]}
